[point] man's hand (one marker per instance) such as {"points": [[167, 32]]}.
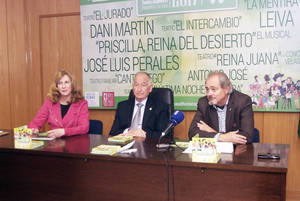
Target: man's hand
{"points": [[204, 127], [56, 133], [233, 137], [136, 133]]}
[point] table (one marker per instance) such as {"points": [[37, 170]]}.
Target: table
{"points": [[64, 169]]}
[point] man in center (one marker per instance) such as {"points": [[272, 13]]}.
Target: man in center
{"points": [[143, 115]]}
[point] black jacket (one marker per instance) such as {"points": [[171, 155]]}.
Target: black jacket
{"points": [[155, 118]]}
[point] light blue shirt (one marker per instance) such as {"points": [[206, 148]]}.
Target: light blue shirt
{"points": [[221, 118]]}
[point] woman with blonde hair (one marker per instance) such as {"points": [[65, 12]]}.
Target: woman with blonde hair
{"points": [[65, 108]]}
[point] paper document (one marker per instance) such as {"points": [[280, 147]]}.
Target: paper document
{"points": [[43, 138], [129, 151], [127, 146], [224, 147]]}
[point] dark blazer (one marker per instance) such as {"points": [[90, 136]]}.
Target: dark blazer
{"points": [[239, 116], [155, 118]]}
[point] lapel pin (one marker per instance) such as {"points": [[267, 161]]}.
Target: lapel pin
{"points": [[150, 108]]}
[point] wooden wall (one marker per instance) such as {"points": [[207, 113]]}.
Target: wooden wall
{"points": [[39, 36]]}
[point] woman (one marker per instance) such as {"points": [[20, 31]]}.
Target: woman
{"points": [[65, 109]]}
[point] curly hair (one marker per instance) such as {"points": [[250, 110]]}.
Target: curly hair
{"points": [[54, 95]]}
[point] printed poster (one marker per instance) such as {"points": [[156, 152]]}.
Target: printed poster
{"points": [[178, 42]]}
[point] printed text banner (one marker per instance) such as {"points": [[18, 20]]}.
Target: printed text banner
{"points": [[178, 42]]}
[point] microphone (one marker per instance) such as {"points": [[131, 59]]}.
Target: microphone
{"points": [[176, 118]]}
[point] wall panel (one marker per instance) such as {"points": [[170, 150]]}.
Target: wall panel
{"points": [[5, 106], [17, 59], [58, 49]]}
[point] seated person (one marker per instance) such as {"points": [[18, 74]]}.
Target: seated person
{"points": [[143, 115], [65, 109], [223, 113]]}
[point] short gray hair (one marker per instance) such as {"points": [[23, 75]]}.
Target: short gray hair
{"points": [[223, 79], [145, 73]]}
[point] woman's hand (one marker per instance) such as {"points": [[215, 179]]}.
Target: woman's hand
{"points": [[35, 130], [56, 133]]}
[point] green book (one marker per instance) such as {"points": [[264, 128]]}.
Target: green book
{"points": [[120, 139], [44, 134], [105, 149]]}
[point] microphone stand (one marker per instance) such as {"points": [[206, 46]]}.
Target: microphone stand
{"points": [[172, 141], [165, 145]]}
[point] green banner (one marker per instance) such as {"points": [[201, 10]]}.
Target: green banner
{"points": [[255, 42], [154, 7], [91, 2]]}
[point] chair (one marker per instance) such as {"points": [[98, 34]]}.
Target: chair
{"points": [[255, 135], [96, 127], [166, 96]]}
